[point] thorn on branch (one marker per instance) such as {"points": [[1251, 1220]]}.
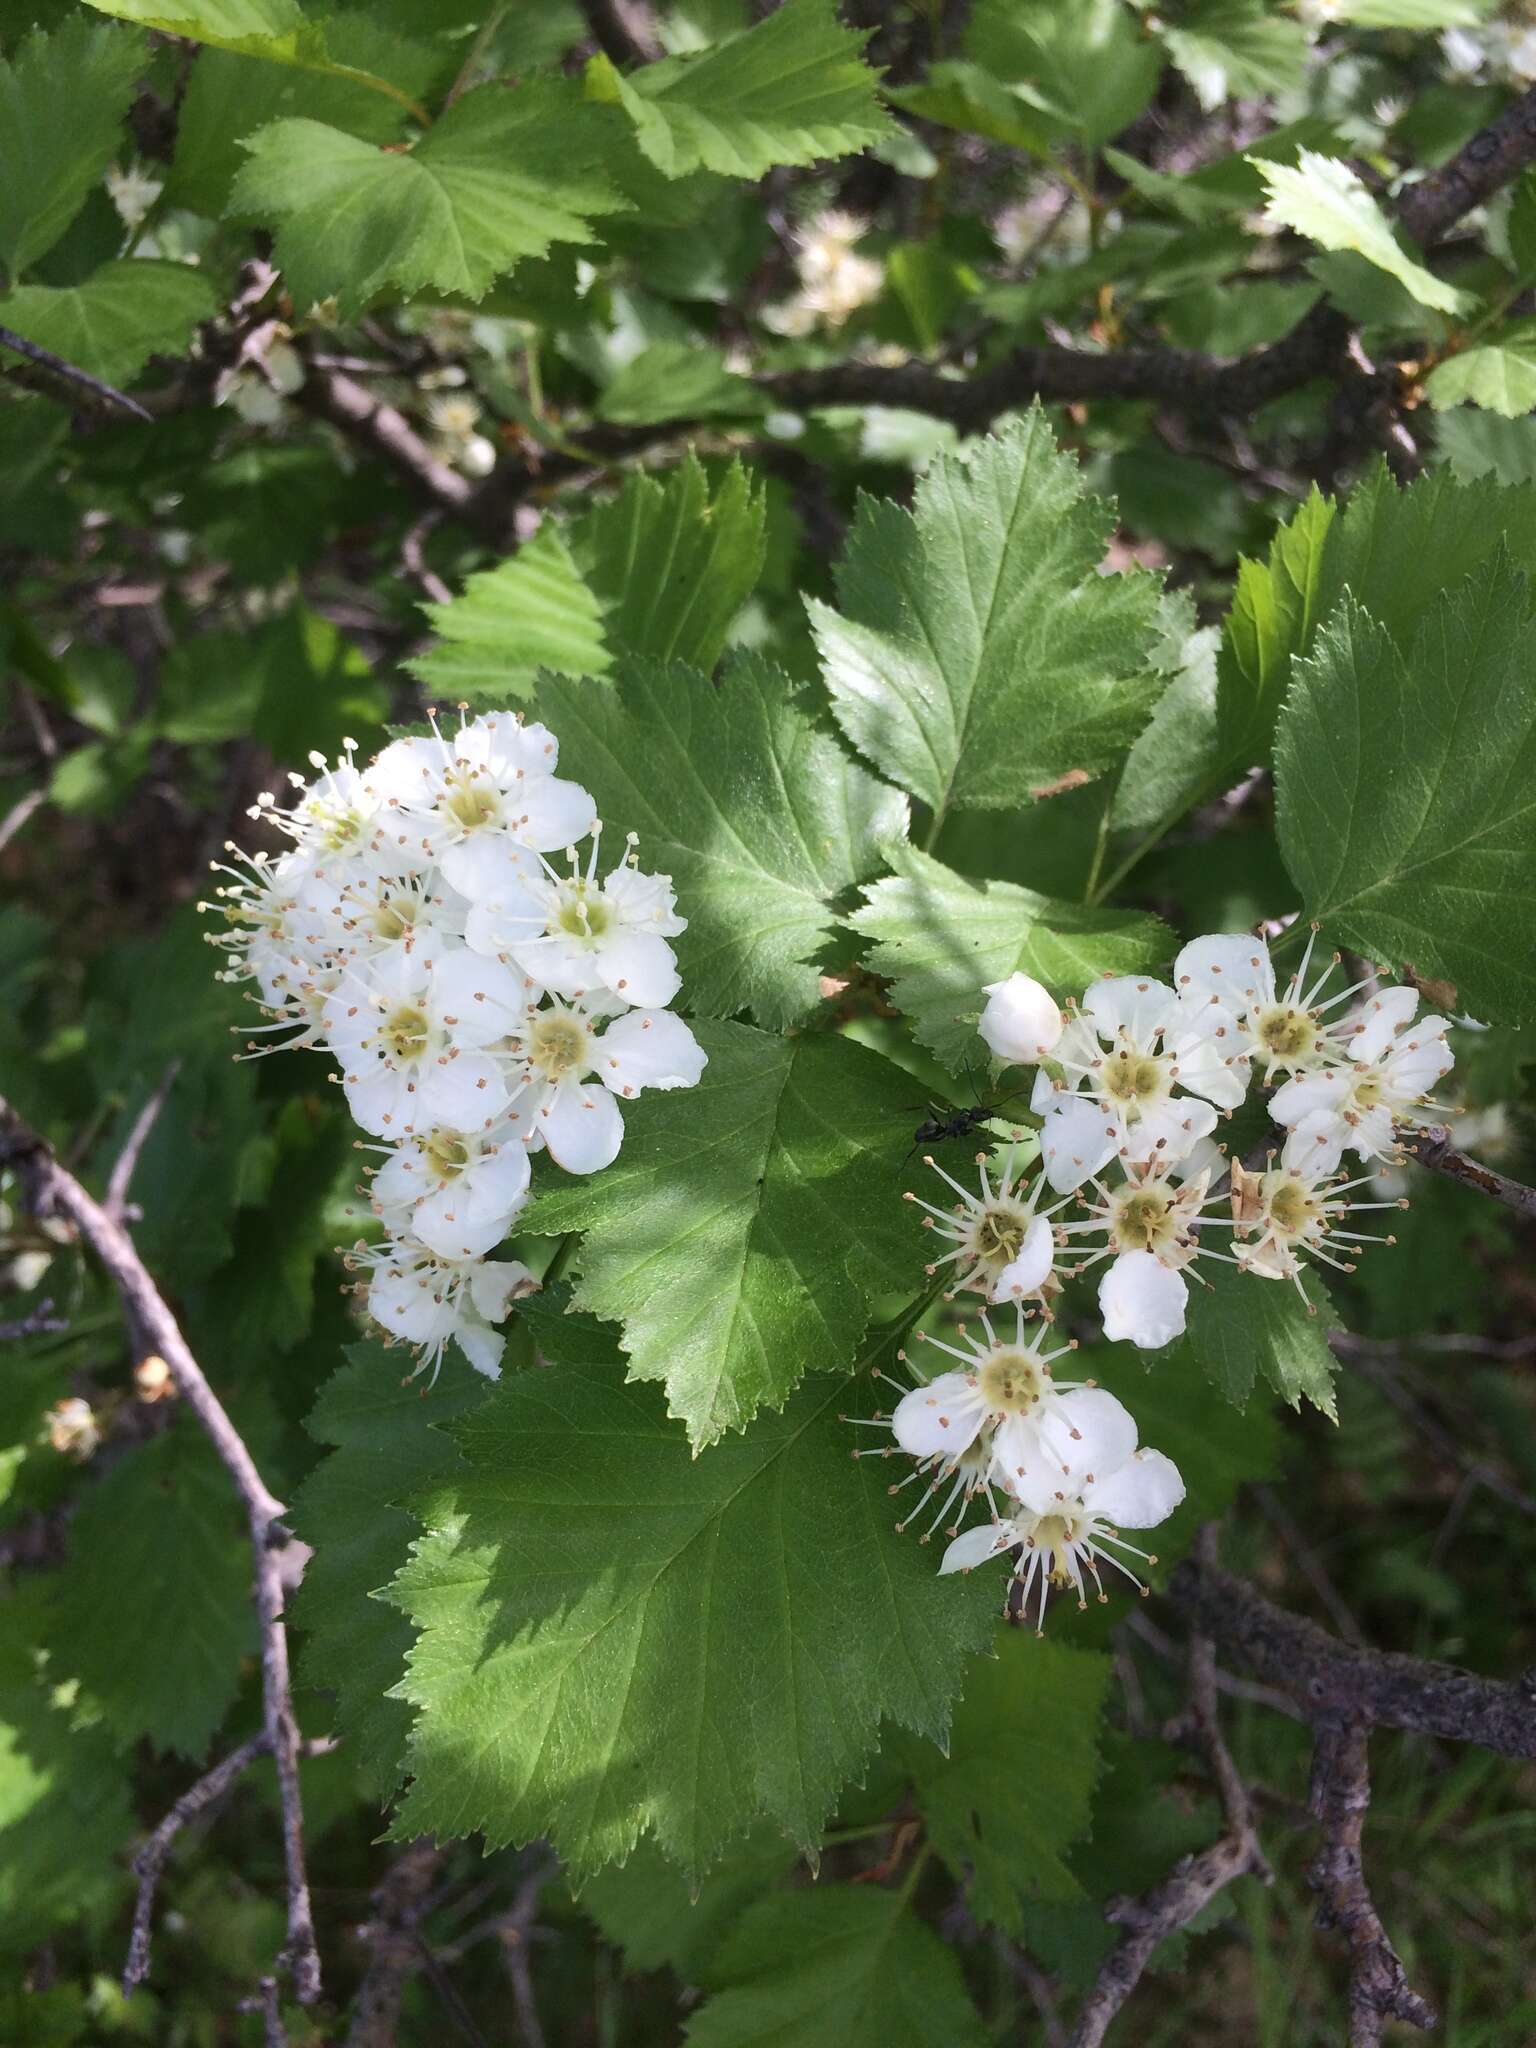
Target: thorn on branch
{"points": [[1339, 1797], [121, 1177]]}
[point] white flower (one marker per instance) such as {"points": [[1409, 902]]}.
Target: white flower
{"points": [[1002, 1396], [457, 1192], [133, 192], [455, 415], [572, 932], [834, 280], [73, 1430], [479, 801], [1149, 1221], [429, 1302], [1281, 1028], [413, 1034], [1021, 1022], [1356, 1104], [1284, 1214], [1071, 1509], [1003, 1244], [562, 1044], [1124, 1102]]}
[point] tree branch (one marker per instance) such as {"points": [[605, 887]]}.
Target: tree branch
{"points": [[1194, 1880], [1433, 1147], [121, 1177], [150, 1860], [1340, 1794], [1329, 1678], [50, 1189]]}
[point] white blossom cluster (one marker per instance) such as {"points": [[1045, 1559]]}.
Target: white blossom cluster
{"points": [[482, 1003], [1128, 1090]]}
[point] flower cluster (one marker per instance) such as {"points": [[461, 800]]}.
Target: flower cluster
{"points": [[1128, 1090], [482, 1002], [834, 279]]}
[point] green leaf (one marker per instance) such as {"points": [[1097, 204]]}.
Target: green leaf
{"points": [[275, 29], [62, 103], [660, 1919], [1323, 198], [1236, 49], [500, 176], [117, 319], [662, 569], [1240, 1326], [1085, 65], [939, 937], [229, 97], [791, 90], [64, 1801], [837, 1967], [159, 1545], [1405, 782], [965, 97], [1176, 761], [1419, 14], [998, 1826], [1478, 444], [761, 820], [677, 380], [977, 655], [747, 1223], [1500, 375], [673, 560], [531, 612], [584, 1668], [388, 1444], [1276, 609]]}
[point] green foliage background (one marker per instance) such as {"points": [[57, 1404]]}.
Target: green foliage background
{"points": [[900, 709]]}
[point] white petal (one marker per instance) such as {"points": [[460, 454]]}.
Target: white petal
{"points": [[1022, 1021], [1232, 965], [1419, 1058], [977, 1546], [549, 812], [1170, 1130], [1144, 1492], [1371, 1134], [482, 1347], [1088, 1430], [449, 1222], [1028, 1271], [496, 1284], [1130, 1002], [1208, 1048], [1075, 1142], [640, 967], [1143, 1300], [582, 1126], [485, 1000], [464, 1093], [649, 1049], [942, 1417], [380, 1099], [1316, 1143], [488, 866], [1308, 1094], [1370, 1031]]}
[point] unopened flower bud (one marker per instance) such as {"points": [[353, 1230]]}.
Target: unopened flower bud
{"points": [[1022, 1021]]}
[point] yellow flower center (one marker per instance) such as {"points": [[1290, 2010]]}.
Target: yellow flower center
{"points": [[406, 1031], [1131, 1076], [999, 1234], [1144, 1219], [447, 1154], [558, 1046], [471, 801], [1011, 1382], [1285, 1032], [582, 914]]}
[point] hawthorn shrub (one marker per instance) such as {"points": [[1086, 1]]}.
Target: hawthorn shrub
{"points": [[855, 687]]}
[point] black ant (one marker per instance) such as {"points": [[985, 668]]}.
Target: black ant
{"points": [[958, 1123]]}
